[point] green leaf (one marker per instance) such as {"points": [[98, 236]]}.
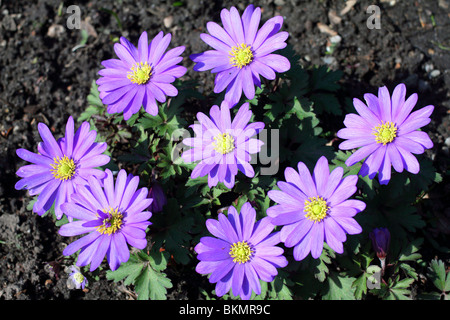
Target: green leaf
{"points": [[326, 102], [410, 252], [152, 283], [399, 291], [437, 274], [95, 104], [323, 78], [129, 271], [172, 231], [145, 273], [340, 287], [279, 287]]}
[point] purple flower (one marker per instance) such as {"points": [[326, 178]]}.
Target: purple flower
{"points": [[241, 254], [60, 166], [314, 209], [242, 52], [76, 279], [223, 146], [112, 216], [141, 75], [156, 192], [381, 239], [385, 131]]}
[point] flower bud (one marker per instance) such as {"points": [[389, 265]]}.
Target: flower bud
{"points": [[381, 239], [156, 192]]}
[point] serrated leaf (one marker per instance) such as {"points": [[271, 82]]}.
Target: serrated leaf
{"points": [[339, 287], [145, 273], [323, 78], [438, 275], [326, 102], [400, 291], [129, 271], [410, 252], [173, 232], [360, 286], [152, 285]]}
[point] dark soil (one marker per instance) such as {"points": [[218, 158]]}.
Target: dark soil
{"points": [[45, 77]]}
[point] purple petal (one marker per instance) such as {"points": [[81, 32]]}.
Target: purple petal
{"points": [[317, 237], [218, 32], [236, 24], [398, 99], [33, 157], [373, 104], [143, 47], [75, 228], [252, 27], [320, 175], [302, 249], [365, 113], [100, 253], [277, 62], [248, 86], [349, 225], [345, 189], [410, 162], [78, 244], [416, 120], [362, 153], [384, 103], [49, 145], [124, 54], [302, 228], [333, 181], [403, 112]]}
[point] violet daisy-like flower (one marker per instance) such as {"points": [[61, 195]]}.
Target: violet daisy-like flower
{"points": [[314, 209], [241, 253], [60, 166], [76, 279], [386, 133], [112, 217], [223, 146], [242, 53], [141, 75]]}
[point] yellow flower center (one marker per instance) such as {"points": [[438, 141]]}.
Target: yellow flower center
{"points": [[112, 223], [241, 252], [240, 56], [140, 73], [385, 133], [63, 168], [316, 209], [223, 143], [78, 277]]}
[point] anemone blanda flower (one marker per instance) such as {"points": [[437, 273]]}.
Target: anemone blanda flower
{"points": [[141, 75], [241, 253], [386, 132], [315, 208], [60, 166], [112, 217], [242, 53], [223, 146], [76, 279]]}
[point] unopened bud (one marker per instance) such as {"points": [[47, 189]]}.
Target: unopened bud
{"points": [[381, 239], [156, 192]]}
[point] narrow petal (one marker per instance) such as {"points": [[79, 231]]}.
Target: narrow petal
{"points": [[385, 103]]}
